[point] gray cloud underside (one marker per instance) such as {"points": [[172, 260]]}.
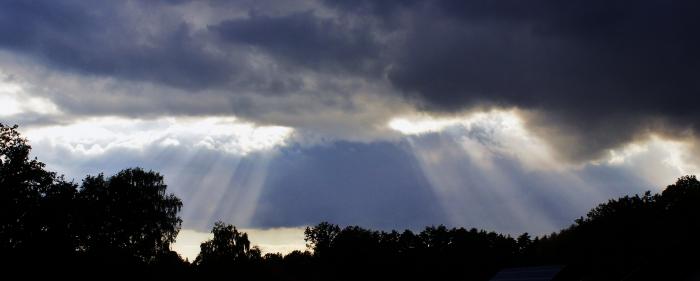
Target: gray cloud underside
{"points": [[596, 74]]}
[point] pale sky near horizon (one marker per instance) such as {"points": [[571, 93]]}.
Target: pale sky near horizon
{"points": [[273, 240]]}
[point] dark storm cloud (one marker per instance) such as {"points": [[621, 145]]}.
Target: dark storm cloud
{"points": [[305, 39], [602, 72], [107, 39]]}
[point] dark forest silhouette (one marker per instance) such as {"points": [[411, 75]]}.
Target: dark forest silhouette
{"points": [[123, 225]]}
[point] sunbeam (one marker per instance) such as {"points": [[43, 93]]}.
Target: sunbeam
{"points": [[209, 190], [239, 202], [473, 164], [218, 165]]}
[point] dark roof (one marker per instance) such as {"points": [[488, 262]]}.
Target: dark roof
{"points": [[535, 273]]}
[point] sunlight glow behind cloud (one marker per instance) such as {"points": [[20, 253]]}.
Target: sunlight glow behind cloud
{"points": [[489, 135], [421, 125], [485, 134], [658, 159], [15, 100], [94, 136]]}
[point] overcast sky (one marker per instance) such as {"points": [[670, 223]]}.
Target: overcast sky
{"points": [[507, 115]]}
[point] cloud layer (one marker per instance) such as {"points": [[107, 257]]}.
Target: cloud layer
{"points": [[602, 73]]}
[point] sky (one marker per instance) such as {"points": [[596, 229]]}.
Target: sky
{"points": [[512, 116]]}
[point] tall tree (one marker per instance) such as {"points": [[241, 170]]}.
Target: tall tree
{"points": [[32, 199], [129, 213]]}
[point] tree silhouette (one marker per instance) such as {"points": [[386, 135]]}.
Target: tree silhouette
{"points": [[437, 252], [321, 237], [634, 237], [22, 182], [37, 221], [128, 213], [45, 220], [228, 249]]}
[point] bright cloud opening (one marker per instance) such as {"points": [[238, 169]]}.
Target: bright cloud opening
{"points": [[484, 135], [97, 135], [15, 100], [657, 159], [422, 124]]}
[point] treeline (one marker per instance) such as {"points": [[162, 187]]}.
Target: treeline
{"points": [[123, 226], [641, 237]]}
